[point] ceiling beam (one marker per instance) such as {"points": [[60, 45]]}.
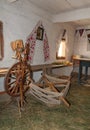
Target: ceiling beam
{"points": [[75, 15]]}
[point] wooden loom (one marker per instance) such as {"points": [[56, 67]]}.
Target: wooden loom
{"points": [[50, 90]]}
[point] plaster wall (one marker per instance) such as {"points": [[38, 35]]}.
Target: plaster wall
{"points": [[81, 45], [19, 19]]}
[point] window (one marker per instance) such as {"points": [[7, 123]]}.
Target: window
{"points": [[60, 54], [61, 50]]}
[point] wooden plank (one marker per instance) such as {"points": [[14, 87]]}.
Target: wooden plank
{"points": [[3, 71]]}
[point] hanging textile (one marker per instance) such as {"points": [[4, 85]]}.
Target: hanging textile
{"points": [[31, 40], [88, 35], [81, 32], [45, 47]]}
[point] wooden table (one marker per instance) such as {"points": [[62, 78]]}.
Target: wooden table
{"points": [[3, 71], [43, 67], [83, 62], [49, 67]]}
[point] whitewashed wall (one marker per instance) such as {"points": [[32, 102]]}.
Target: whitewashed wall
{"points": [[81, 45], [19, 19]]}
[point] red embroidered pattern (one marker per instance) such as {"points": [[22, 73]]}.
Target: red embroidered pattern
{"points": [[31, 40]]}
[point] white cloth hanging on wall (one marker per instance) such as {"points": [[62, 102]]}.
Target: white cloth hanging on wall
{"points": [[31, 40], [38, 57]]}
